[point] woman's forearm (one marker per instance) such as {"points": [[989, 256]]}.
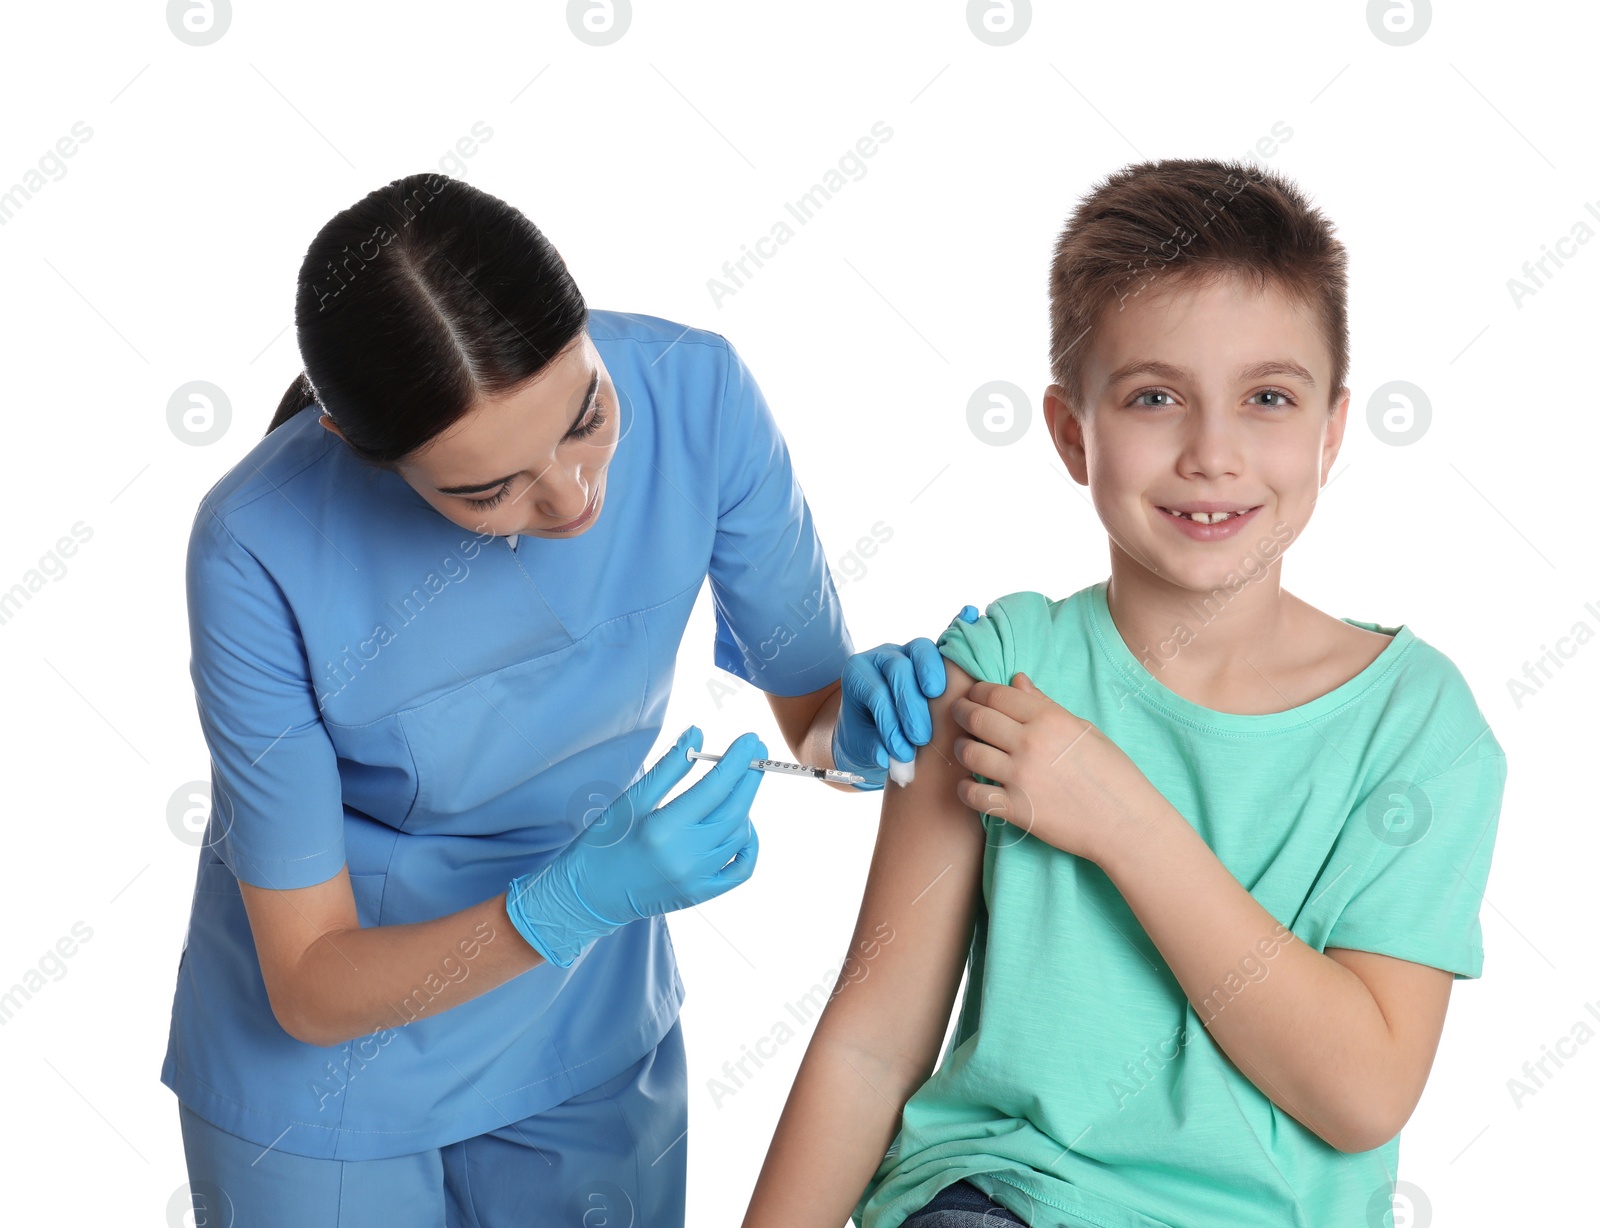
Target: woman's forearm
{"points": [[816, 747], [354, 982], [841, 1116]]}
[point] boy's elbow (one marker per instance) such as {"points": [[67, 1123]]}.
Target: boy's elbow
{"points": [[1368, 1125], [1388, 1107], [1351, 1144]]}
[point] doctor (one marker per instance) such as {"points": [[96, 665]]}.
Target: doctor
{"points": [[434, 615]]}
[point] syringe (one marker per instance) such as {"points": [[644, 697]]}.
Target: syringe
{"points": [[831, 775]]}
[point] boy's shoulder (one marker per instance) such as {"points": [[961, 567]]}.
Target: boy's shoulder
{"points": [[1436, 695], [1011, 613], [1420, 695], [1011, 629], [1420, 688]]}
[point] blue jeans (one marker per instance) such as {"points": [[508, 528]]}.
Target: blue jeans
{"points": [[962, 1205], [615, 1154]]}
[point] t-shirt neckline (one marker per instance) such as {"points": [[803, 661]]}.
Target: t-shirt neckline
{"points": [[1154, 691]]}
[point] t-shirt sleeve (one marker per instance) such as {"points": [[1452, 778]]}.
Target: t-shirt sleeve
{"points": [[277, 817], [779, 623], [994, 648], [1429, 846]]}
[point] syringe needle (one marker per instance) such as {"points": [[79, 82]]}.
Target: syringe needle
{"points": [[831, 775]]}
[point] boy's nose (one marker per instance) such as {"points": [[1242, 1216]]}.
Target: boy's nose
{"points": [[1211, 445]]}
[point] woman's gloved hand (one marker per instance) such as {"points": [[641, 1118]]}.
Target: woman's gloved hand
{"points": [[638, 861], [883, 707]]}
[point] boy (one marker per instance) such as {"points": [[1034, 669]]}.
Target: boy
{"points": [[1229, 849]]}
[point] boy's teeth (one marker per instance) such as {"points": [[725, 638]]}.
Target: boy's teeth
{"points": [[1206, 517]]}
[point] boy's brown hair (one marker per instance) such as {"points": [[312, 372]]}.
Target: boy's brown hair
{"points": [[1183, 222]]}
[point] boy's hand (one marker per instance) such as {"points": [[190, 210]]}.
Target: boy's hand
{"points": [[1057, 776]]}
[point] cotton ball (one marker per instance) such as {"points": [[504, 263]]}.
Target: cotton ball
{"points": [[902, 770]]}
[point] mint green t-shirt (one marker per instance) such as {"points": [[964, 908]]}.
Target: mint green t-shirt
{"points": [[1081, 1087]]}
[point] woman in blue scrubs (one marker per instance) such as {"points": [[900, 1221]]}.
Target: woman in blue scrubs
{"points": [[434, 615]]}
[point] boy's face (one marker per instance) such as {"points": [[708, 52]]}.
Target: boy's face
{"points": [[1184, 404]]}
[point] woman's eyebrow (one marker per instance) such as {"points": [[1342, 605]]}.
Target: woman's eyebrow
{"points": [[1166, 370], [473, 488]]}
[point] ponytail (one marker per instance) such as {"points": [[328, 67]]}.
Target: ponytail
{"points": [[299, 396]]}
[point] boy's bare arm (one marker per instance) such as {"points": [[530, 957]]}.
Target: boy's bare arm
{"points": [[1341, 1041], [878, 1038]]}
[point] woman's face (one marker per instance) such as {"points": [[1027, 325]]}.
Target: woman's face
{"points": [[530, 462]]}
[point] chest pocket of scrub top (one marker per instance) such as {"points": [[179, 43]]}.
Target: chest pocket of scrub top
{"points": [[508, 750]]}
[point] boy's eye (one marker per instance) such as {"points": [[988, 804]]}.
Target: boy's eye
{"points": [[1283, 401]]}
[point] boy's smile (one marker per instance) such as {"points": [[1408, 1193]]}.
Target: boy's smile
{"points": [[1209, 523], [1204, 400]]}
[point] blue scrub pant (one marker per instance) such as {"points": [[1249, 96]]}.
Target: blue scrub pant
{"points": [[614, 1155]]}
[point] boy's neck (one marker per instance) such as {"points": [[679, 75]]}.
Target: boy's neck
{"points": [[1214, 640]]}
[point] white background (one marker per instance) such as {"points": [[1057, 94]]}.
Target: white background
{"points": [[167, 251]]}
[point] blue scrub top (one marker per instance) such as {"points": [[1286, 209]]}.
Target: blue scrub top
{"points": [[441, 710]]}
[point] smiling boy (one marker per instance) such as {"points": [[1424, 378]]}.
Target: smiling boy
{"points": [[1230, 849]]}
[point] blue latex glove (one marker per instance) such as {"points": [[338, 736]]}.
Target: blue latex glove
{"points": [[638, 861], [883, 709]]}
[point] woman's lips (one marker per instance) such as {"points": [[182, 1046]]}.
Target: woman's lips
{"points": [[1208, 532]]}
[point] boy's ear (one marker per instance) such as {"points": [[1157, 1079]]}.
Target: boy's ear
{"points": [[1333, 434], [1066, 433]]}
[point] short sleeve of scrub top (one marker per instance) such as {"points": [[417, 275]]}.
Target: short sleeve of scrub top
{"points": [[271, 757], [441, 711], [768, 576]]}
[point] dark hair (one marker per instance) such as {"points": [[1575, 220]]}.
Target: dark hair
{"points": [[1187, 222], [417, 300]]}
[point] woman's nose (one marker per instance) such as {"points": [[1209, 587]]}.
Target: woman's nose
{"points": [[564, 501]]}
